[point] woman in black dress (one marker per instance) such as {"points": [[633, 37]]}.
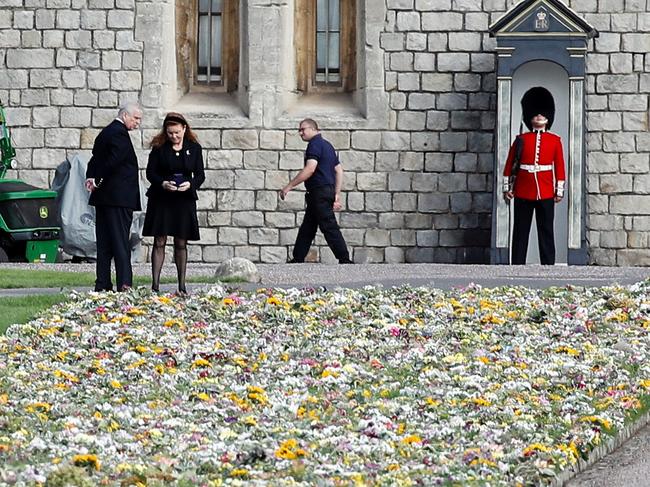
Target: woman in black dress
{"points": [[175, 171]]}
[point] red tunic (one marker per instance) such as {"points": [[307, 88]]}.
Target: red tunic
{"points": [[541, 172]]}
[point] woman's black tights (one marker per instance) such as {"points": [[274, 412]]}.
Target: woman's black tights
{"points": [[158, 258]]}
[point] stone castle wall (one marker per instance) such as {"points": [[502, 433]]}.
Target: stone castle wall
{"points": [[416, 139]]}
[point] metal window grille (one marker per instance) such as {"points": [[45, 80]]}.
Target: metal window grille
{"points": [[210, 41], [328, 41]]}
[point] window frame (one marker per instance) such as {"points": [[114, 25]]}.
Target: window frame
{"points": [[229, 50], [305, 46]]}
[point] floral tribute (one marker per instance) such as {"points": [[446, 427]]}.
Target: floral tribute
{"points": [[373, 386]]}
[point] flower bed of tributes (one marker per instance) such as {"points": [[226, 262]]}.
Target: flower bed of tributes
{"points": [[374, 386]]}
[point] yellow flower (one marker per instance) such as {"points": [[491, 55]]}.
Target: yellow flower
{"points": [[273, 300], [202, 396], [431, 402], [38, 407], [409, 440], [228, 301], [239, 472], [86, 461], [597, 420], [173, 322], [115, 384], [250, 421], [392, 467], [201, 362], [4, 398]]}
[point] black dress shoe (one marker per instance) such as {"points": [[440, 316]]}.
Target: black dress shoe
{"points": [[294, 261], [346, 261]]}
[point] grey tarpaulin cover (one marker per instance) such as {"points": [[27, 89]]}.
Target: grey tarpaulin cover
{"points": [[77, 217]]}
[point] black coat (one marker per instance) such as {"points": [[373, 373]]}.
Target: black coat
{"points": [[114, 166], [164, 163]]}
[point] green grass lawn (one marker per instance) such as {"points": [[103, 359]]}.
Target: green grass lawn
{"points": [[19, 278], [24, 308]]}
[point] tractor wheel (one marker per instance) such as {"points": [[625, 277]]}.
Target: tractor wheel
{"points": [[3, 255]]}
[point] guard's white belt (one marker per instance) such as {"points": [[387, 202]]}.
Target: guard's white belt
{"points": [[536, 167]]}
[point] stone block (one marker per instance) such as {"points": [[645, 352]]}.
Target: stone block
{"points": [[605, 121], [641, 184], [88, 98], [240, 139], [423, 61], [391, 220], [460, 202], [31, 38], [452, 182], [10, 39], [103, 39], [124, 41], [438, 42], [260, 159], [616, 83], [425, 182], [273, 255], [23, 19], [234, 200], [371, 181], [68, 19], [635, 42], [452, 101], [456, 61], [93, 19], [44, 19], [480, 141], [30, 58], [78, 39], [45, 117], [356, 161], [217, 253], [408, 81], [402, 238], [411, 161], [219, 179], [613, 239], [418, 255], [272, 139], [628, 103], [607, 41], [120, 19], [630, 204], [378, 201], [464, 41], [438, 5], [432, 203], [398, 101], [280, 220], [249, 179], [366, 140], [53, 38], [635, 163], [453, 141], [233, 236], [477, 21], [602, 162], [131, 60], [368, 255], [399, 181], [401, 61], [358, 220], [89, 60], [288, 237], [392, 41], [98, 80], [47, 158], [442, 21], [633, 257], [126, 80], [276, 179], [416, 41], [263, 236], [340, 139], [437, 82], [410, 120], [398, 141], [14, 79], [377, 237], [63, 137], [408, 21], [617, 142], [393, 255]]}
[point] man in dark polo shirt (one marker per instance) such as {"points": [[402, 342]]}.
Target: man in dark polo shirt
{"points": [[322, 176]]}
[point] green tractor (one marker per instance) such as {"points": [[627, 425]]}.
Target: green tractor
{"points": [[29, 229]]}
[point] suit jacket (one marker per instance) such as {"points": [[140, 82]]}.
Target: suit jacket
{"points": [[541, 170], [114, 166], [164, 163]]}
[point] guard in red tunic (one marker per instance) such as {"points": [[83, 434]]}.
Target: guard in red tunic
{"points": [[534, 176]]}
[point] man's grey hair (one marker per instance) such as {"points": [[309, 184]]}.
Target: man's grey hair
{"points": [[129, 107]]}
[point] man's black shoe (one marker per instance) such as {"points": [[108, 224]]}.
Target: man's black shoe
{"points": [[346, 261], [294, 261]]}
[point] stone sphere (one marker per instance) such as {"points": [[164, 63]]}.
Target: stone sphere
{"points": [[237, 268]]}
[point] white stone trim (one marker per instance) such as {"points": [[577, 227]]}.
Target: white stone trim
{"points": [[574, 169], [502, 226]]}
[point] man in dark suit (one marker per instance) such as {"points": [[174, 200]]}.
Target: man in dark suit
{"points": [[112, 179]]}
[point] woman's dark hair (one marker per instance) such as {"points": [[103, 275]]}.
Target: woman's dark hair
{"points": [[172, 118]]}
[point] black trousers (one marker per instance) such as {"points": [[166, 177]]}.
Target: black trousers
{"points": [[320, 213], [112, 229], [544, 213]]}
